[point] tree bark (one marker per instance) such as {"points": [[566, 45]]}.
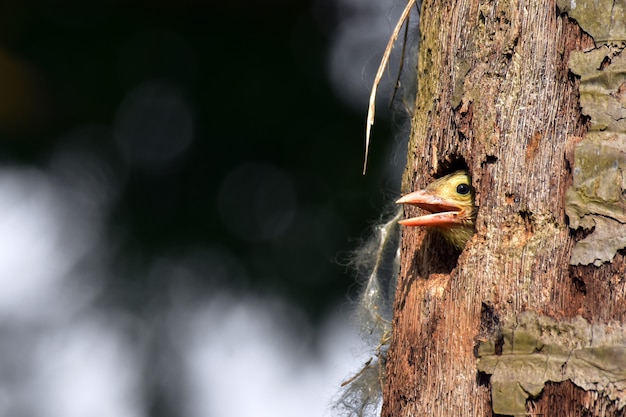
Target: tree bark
{"points": [[495, 95]]}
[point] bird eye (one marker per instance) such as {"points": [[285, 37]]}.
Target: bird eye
{"points": [[463, 189]]}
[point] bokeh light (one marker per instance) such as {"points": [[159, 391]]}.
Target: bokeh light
{"points": [[44, 235], [179, 185], [154, 125], [257, 202]]}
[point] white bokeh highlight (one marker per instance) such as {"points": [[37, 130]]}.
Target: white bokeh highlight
{"points": [[63, 355], [255, 357], [43, 234], [87, 369]]}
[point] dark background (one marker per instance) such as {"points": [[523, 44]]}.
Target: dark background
{"points": [[223, 135], [254, 78]]}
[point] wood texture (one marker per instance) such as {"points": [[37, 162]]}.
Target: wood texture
{"points": [[495, 95]]}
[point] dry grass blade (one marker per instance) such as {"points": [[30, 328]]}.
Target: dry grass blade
{"points": [[379, 74], [397, 85]]}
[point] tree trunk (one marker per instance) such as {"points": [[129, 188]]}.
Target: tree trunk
{"points": [[496, 96]]}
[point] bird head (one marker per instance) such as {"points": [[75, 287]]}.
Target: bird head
{"points": [[450, 200]]}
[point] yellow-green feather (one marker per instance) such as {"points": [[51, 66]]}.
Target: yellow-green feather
{"points": [[446, 188]]}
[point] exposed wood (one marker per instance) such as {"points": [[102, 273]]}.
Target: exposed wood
{"points": [[494, 94]]}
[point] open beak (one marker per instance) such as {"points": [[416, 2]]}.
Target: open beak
{"points": [[445, 213]]}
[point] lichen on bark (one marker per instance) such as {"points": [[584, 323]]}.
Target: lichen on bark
{"points": [[596, 201], [602, 19], [537, 349]]}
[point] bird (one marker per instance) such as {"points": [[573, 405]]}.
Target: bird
{"points": [[451, 202]]}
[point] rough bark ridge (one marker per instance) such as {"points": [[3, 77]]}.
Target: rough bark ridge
{"points": [[495, 94]]}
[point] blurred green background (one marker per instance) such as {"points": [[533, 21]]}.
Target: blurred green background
{"points": [[268, 163], [200, 148]]}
